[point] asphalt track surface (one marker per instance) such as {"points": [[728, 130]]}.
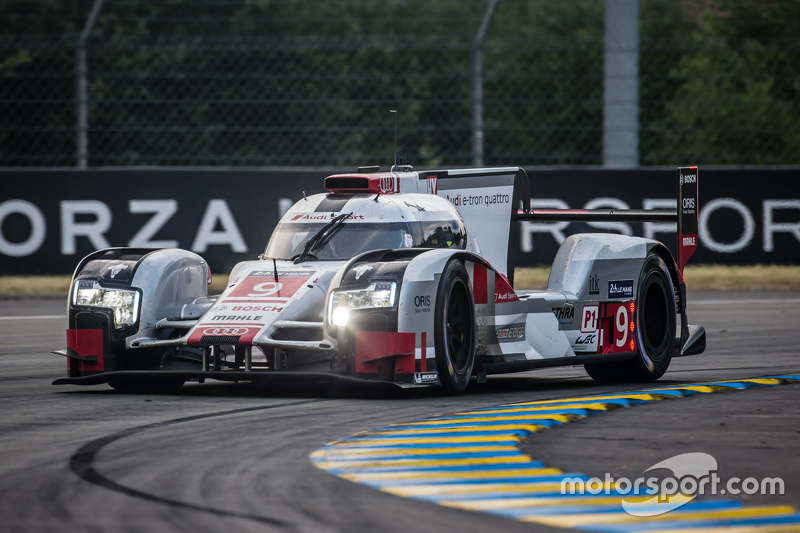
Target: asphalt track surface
{"points": [[217, 457]]}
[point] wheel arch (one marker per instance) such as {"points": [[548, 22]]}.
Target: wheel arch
{"points": [[672, 267]]}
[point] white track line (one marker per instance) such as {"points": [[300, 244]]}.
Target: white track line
{"points": [[753, 301], [32, 317]]}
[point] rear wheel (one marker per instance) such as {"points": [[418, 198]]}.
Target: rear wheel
{"points": [[454, 328], [655, 332]]}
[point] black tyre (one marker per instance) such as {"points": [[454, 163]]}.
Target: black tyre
{"points": [[656, 322], [454, 328], [154, 385]]}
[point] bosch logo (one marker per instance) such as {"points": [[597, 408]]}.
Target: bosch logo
{"points": [[225, 331]]}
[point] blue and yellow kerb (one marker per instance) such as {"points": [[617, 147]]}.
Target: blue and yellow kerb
{"points": [[471, 460]]}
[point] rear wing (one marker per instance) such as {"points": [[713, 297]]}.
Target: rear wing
{"points": [[686, 215]]}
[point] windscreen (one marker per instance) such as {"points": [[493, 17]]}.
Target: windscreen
{"points": [[352, 238]]}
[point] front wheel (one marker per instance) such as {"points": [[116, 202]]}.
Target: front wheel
{"points": [[655, 332], [454, 328]]}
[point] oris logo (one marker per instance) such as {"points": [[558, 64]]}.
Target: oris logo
{"points": [[225, 331], [688, 203], [422, 300]]}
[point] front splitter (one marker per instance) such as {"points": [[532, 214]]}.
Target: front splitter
{"points": [[268, 377]]}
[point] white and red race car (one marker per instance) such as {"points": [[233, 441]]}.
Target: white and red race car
{"points": [[402, 277]]}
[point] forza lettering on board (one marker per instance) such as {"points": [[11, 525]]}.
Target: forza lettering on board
{"points": [[620, 288], [91, 220]]}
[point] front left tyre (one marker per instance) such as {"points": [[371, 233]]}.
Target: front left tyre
{"points": [[454, 328]]}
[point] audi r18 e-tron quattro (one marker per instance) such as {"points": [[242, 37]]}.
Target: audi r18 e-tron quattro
{"points": [[402, 277]]}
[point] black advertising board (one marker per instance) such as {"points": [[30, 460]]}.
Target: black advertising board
{"points": [[50, 219], [747, 216], [60, 216]]}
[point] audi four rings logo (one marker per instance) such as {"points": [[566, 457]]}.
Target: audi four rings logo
{"points": [[387, 184], [224, 331]]}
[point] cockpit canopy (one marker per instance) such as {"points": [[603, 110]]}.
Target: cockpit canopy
{"points": [[387, 222]]}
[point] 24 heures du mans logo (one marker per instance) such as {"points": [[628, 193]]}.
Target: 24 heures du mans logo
{"points": [[620, 288]]}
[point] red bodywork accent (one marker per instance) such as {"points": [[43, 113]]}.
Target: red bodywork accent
{"points": [[687, 228], [266, 289], [480, 290], [384, 183], [373, 346], [687, 244], [86, 343], [502, 289], [433, 185], [246, 334], [423, 358], [615, 337], [262, 294]]}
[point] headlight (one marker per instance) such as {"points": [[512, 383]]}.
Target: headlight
{"points": [[124, 303], [378, 295]]}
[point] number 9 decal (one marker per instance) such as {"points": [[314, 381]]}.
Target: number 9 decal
{"points": [[266, 289], [621, 321]]}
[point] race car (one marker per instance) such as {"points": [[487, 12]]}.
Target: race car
{"points": [[401, 277]]}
